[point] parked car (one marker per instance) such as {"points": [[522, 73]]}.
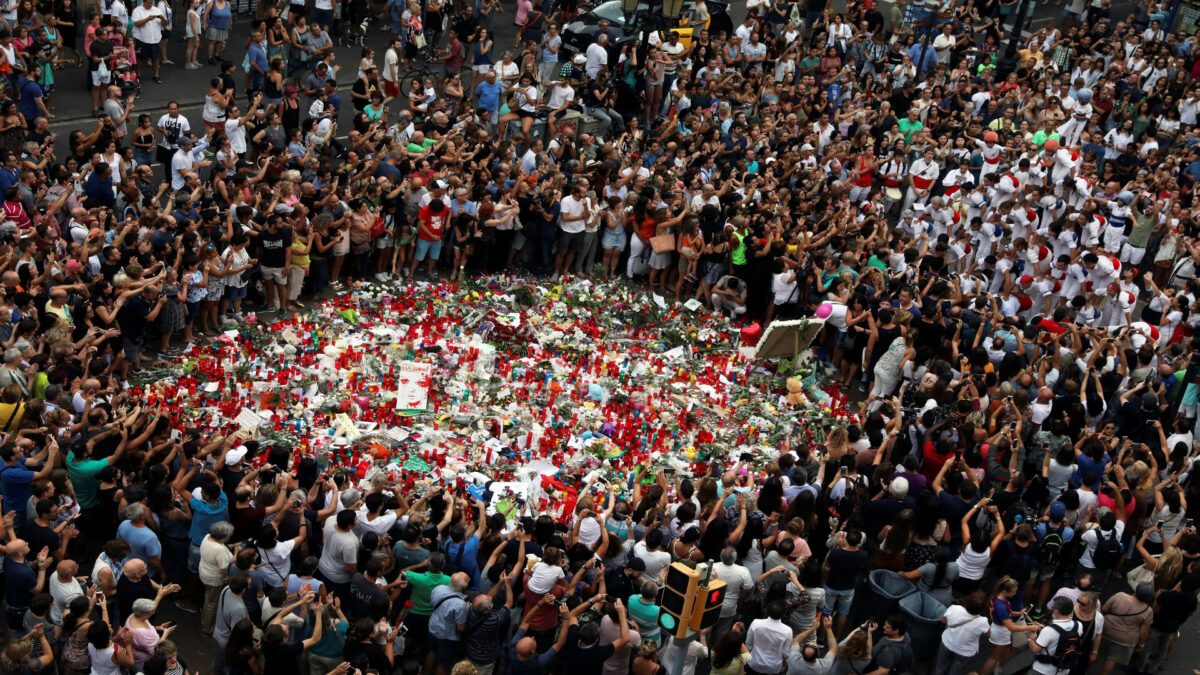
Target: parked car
{"points": [[582, 32]]}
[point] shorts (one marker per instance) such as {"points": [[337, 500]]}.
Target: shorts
{"points": [[568, 241], [838, 602], [193, 562], [391, 89], [1072, 15], [274, 274], [1043, 573], [1117, 653], [97, 80], [132, 348], [426, 247], [483, 69], [446, 651], [385, 242], [193, 309], [525, 114], [148, 51], [235, 292]]}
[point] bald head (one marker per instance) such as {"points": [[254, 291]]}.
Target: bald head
{"points": [[17, 549], [1045, 395], [134, 568], [525, 648], [67, 569], [459, 582], [482, 604]]}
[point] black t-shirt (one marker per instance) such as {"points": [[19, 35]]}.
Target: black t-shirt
{"points": [[1017, 561], [274, 247], [844, 567], [129, 591], [584, 660], [373, 654], [362, 593], [1174, 608], [281, 659], [133, 317], [39, 536]]}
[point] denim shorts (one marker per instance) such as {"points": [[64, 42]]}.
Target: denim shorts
{"points": [[838, 602], [235, 292], [430, 248]]}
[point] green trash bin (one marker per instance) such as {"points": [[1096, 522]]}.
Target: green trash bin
{"points": [[924, 614]]}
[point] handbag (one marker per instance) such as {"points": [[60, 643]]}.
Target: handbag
{"points": [[1020, 639], [663, 243], [378, 229], [419, 40]]}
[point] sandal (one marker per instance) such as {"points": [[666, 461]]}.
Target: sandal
{"points": [[158, 80]]}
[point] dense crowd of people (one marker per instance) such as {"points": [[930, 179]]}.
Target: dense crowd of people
{"points": [[1002, 243]]}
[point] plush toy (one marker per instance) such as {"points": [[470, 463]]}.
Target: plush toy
{"points": [[795, 395]]}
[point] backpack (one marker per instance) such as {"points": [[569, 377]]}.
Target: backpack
{"points": [[454, 562], [1050, 550], [1068, 652], [1108, 550]]}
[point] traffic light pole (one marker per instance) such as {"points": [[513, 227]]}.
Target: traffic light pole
{"points": [[683, 644]]}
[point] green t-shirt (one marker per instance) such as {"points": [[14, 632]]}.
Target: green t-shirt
{"points": [[83, 478], [739, 251], [877, 263], [422, 147], [1040, 138], [645, 615], [909, 127], [332, 643], [1143, 227], [422, 584]]}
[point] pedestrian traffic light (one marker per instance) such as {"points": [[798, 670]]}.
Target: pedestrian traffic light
{"points": [[677, 598], [707, 610]]}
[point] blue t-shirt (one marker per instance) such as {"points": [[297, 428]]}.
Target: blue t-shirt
{"points": [[30, 93], [258, 55], [489, 95], [16, 481], [467, 561], [205, 515], [1001, 610], [1085, 464], [19, 580], [143, 543]]}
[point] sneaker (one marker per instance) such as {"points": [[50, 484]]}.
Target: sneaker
{"points": [[187, 607], [381, 276]]}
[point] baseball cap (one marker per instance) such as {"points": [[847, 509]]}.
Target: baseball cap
{"points": [[290, 90], [235, 455], [441, 184], [1058, 511]]}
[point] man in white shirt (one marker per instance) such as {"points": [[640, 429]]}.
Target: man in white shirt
{"points": [[391, 70], [737, 581], [148, 23], [573, 216], [650, 551], [235, 125], [597, 56], [1045, 647], [768, 640], [173, 126], [184, 161]]}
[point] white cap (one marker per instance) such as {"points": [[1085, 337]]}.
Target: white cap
{"points": [[235, 455]]}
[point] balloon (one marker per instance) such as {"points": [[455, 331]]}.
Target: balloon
{"points": [[824, 310], [1051, 145], [751, 334], [991, 137]]}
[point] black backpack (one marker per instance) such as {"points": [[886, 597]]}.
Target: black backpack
{"points": [[1068, 651], [1108, 550], [1050, 550]]}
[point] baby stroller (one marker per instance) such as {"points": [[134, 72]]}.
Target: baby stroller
{"points": [[124, 75]]}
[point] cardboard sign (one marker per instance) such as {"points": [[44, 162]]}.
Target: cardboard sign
{"points": [[412, 387]]}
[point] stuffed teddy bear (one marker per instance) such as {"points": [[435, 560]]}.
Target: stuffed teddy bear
{"points": [[795, 389]]}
